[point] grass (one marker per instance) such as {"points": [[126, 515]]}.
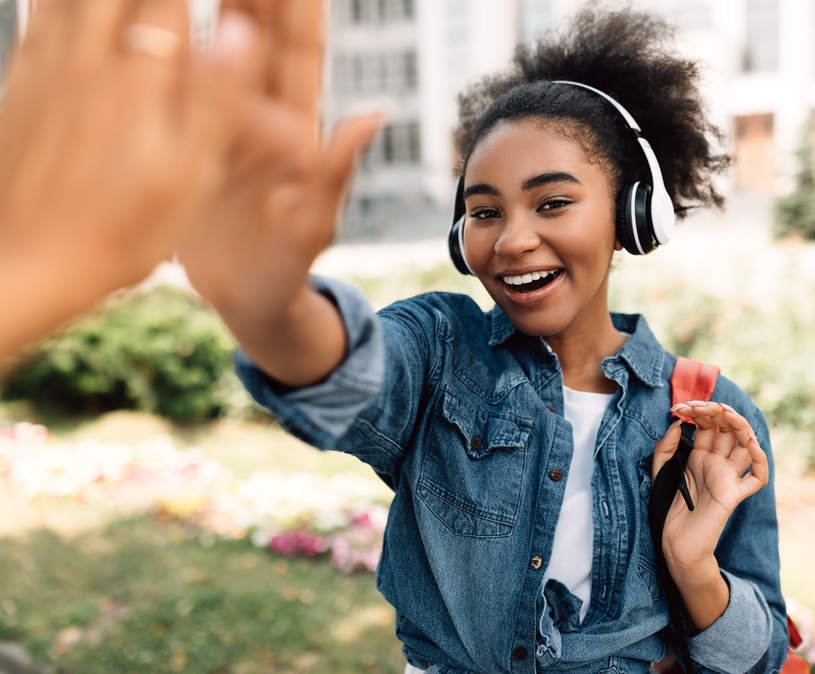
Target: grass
{"points": [[146, 596]]}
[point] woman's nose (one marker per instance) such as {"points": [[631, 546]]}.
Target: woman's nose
{"points": [[517, 237]]}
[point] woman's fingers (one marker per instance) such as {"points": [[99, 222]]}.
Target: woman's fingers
{"points": [[719, 426], [723, 431], [348, 141], [301, 37], [221, 82], [100, 24], [759, 475]]}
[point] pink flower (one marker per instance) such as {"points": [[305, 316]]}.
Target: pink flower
{"points": [[298, 543]]}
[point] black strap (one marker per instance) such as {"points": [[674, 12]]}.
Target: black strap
{"points": [[669, 480]]}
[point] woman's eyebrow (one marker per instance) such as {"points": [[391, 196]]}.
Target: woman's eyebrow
{"points": [[480, 188], [547, 178]]}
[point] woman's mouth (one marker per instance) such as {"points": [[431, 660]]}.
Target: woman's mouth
{"points": [[532, 281]]}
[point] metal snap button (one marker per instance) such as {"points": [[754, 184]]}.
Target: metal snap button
{"points": [[556, 475], [476, 442], [536, 562], [519, 653]]}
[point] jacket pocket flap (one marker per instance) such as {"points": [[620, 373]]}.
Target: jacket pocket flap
{"points": [[485, 430]]}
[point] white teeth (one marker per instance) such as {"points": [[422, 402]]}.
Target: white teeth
{"points": [[526, 278]]}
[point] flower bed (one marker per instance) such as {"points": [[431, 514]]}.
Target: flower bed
{"points": [[295, 514]]}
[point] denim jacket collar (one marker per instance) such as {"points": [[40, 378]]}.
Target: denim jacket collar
{"points": [[641, 353]]}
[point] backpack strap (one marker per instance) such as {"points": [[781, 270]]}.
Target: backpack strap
{"points": [[691, 380]]}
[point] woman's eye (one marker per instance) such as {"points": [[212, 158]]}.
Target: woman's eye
{"points": [[553, 204], [485, 214]]}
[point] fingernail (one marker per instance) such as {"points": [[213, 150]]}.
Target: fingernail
{"points": [[728, 408], [678, 406], [232, 39], [694, 403], [676, 423]]}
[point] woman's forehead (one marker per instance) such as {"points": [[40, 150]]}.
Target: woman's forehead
{"points": [[518, 150]]}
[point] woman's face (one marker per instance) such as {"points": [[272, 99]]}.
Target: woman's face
{"points": [[540, 230]]}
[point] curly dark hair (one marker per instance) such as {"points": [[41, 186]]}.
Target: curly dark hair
{"points": [[630, 56]]}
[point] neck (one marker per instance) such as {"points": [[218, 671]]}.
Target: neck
{"points": [[585, 343]]}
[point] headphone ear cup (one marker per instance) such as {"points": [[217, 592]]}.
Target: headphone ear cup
{"points": [[634, 229], [454, 243], [625, 219]]}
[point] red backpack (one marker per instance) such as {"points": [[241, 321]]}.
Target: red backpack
{"points": [[691, 380]]}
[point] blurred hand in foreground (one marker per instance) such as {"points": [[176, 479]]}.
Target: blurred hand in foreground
{"points": [[111, 134], [279, 204]]}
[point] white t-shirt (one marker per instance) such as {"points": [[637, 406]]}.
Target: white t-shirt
{"points": [[574, 536]]}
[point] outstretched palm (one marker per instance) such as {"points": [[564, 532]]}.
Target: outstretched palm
{"points": [[279, 203]]}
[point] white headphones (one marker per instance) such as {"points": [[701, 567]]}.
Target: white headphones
{"points": [[647, 220]]}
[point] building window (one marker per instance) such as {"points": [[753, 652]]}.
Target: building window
{"points": [[363, 75], [399, 144], [370, 11], [761, 52]]}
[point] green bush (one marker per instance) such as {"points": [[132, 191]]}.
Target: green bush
{"points": [[795, 213], [161, 351]]}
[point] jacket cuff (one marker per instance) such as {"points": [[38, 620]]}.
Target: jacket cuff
{"points": [[741, 636], [321, 414]]}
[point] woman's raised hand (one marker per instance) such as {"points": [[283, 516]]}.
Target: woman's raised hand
{"points": [[725, 467], [280, 203], [111, 134]]}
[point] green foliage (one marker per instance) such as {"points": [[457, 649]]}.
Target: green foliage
{"points": [[795, 213], [768, 351], [161, 351], [158, 598]]}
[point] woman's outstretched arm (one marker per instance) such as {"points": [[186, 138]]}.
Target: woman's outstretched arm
{"points": [[279, 205]]}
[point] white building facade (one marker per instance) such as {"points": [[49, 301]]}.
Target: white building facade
{"points": [[759, 81]]}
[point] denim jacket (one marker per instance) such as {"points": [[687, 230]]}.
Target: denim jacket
{"points": [[462, 416]]}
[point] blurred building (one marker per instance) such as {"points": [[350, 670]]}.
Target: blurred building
{"points": [[8, 28], [419, 54]]}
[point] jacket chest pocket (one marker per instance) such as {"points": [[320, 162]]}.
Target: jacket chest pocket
{"points": [[474, 466]]}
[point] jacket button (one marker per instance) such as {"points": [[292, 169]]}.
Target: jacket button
{"points": [[556, 475], [476, 442], [519, 653], [536, 562]]}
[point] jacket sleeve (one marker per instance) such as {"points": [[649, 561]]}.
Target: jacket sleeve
{"points": [[369, 404], [751, 636]]}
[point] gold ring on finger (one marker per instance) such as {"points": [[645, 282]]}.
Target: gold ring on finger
{"points": [[142, 38]]}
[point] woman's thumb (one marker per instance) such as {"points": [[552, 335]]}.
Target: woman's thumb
{"points": [[666, 447]]}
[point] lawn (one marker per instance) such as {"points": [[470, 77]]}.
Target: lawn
{"points": [[141, 595]]}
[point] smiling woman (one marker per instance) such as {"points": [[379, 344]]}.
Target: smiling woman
{"points": [[521, 442]]}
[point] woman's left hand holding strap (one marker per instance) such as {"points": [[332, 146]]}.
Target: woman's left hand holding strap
{"points": [[725, 467]]}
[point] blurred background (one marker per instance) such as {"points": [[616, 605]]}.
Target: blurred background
{"points": [[155, 520]]}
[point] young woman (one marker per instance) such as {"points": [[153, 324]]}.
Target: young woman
{"points": [[521, 442]]}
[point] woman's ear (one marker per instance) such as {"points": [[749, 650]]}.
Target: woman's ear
{"points": [[617, 245]]}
